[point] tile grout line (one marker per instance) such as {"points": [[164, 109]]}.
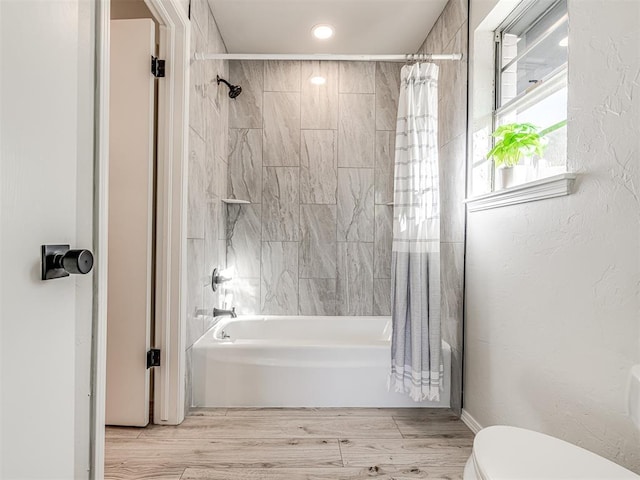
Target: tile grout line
{"points": [[396, 424], [340, 450]]}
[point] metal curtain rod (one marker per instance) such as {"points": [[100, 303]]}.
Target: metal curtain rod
{"points": [[410, 57]]}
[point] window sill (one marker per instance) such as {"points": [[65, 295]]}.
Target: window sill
{"points": [[550, 187]]}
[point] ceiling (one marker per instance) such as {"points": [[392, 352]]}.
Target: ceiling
{"points": [[362, 26]]}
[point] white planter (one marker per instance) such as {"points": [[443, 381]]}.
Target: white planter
{"points": [[511, 176]]}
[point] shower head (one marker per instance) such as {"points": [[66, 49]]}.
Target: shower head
{"points": [[234, 90]]}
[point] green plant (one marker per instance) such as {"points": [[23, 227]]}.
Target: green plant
{"points": [[517, 140]]}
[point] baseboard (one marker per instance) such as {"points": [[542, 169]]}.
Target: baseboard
{"points": [[470, 422]]}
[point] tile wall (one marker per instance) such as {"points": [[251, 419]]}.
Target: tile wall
{"points": [[208, 119], [316, 163], [449, 35]]}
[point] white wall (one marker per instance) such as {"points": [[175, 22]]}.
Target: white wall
{"points": [[553, 287]]}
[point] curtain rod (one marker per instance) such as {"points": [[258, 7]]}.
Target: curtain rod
{"points": [[410, 57]]}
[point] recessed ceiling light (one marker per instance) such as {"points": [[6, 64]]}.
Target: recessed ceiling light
{"points": [[322, 32], [564, 42], [318, 80]]}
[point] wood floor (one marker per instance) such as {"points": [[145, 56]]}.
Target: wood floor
{"points": [[294, 444]]}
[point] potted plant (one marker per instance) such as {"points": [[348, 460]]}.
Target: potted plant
{"points": [[516, 141]]}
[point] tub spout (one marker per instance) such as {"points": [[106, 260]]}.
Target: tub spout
{"points": [[218, 313]]}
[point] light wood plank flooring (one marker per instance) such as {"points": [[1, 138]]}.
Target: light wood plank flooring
{"points": [[294, 444]]}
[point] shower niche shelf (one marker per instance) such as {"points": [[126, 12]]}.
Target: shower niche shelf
{"points": [[235, 201]]}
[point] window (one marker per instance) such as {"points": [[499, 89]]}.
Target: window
{"points": [[530, 88]]}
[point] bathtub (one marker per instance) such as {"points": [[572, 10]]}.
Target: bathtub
{"points": [[298, 361]]}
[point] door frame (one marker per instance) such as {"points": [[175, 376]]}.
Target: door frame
{"points": [[171, 219]]}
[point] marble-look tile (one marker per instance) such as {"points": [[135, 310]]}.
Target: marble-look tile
{"points": [[213, 68], [317, 296], [385, 158], [383, 240], [222, 244], [356, 130], [200, 15], [215, 42], [196, 86], [281, 76], [219, 96], [433, 42], [387, 91], [211, 251], [357, 77], [195, 274], [382, 296], [243, 239], [319, 103], [279, 279], [244, 294], [212, 145], [245, 111], [355, 205], [354, 288], [281, 133], [280, 203], [317, 241], [245, 164], [452, 189], [452, 103], [452, 289], [219, 130], [453, 16], [318, 166], [224, 174], [196, 186]]}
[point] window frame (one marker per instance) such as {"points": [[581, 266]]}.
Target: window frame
{"points": [[550, 80]]}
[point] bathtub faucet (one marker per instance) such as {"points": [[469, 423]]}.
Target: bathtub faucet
{"points": [[218, 313]]}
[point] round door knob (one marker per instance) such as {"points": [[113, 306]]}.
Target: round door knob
{"points": [[76, 261]]}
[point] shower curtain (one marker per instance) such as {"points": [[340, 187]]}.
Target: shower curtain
{"points": [[416, 365]]}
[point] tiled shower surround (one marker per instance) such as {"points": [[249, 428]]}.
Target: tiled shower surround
{"points": [[208, 116], [450, 35], [316, 163]]}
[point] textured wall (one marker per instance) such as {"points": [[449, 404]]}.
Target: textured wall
{"points": [[449, 35], [552, 325], [208, 114], [316, 163]]}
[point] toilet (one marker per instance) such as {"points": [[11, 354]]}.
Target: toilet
{"points": [[511, 453]]}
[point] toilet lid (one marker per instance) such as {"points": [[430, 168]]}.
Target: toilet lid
{"points": [[510, 453]]}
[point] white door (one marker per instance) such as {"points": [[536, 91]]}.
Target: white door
{"points": [[131, 185], [46, 197]]}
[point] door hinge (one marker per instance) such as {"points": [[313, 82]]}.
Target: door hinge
{"points": [[153, 358], [157, 67]]}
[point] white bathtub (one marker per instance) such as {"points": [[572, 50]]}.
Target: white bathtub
{"points": [[297, 361]]}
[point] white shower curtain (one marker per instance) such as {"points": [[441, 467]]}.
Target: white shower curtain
{"points": [[416, 365]]}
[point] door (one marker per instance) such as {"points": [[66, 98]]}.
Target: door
{"points": [[131, 187], [46, 197]]}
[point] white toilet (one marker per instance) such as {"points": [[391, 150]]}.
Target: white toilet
{"points": [[511, 453]]}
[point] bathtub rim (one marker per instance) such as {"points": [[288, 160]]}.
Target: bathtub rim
{"points": [[207, 339]]}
